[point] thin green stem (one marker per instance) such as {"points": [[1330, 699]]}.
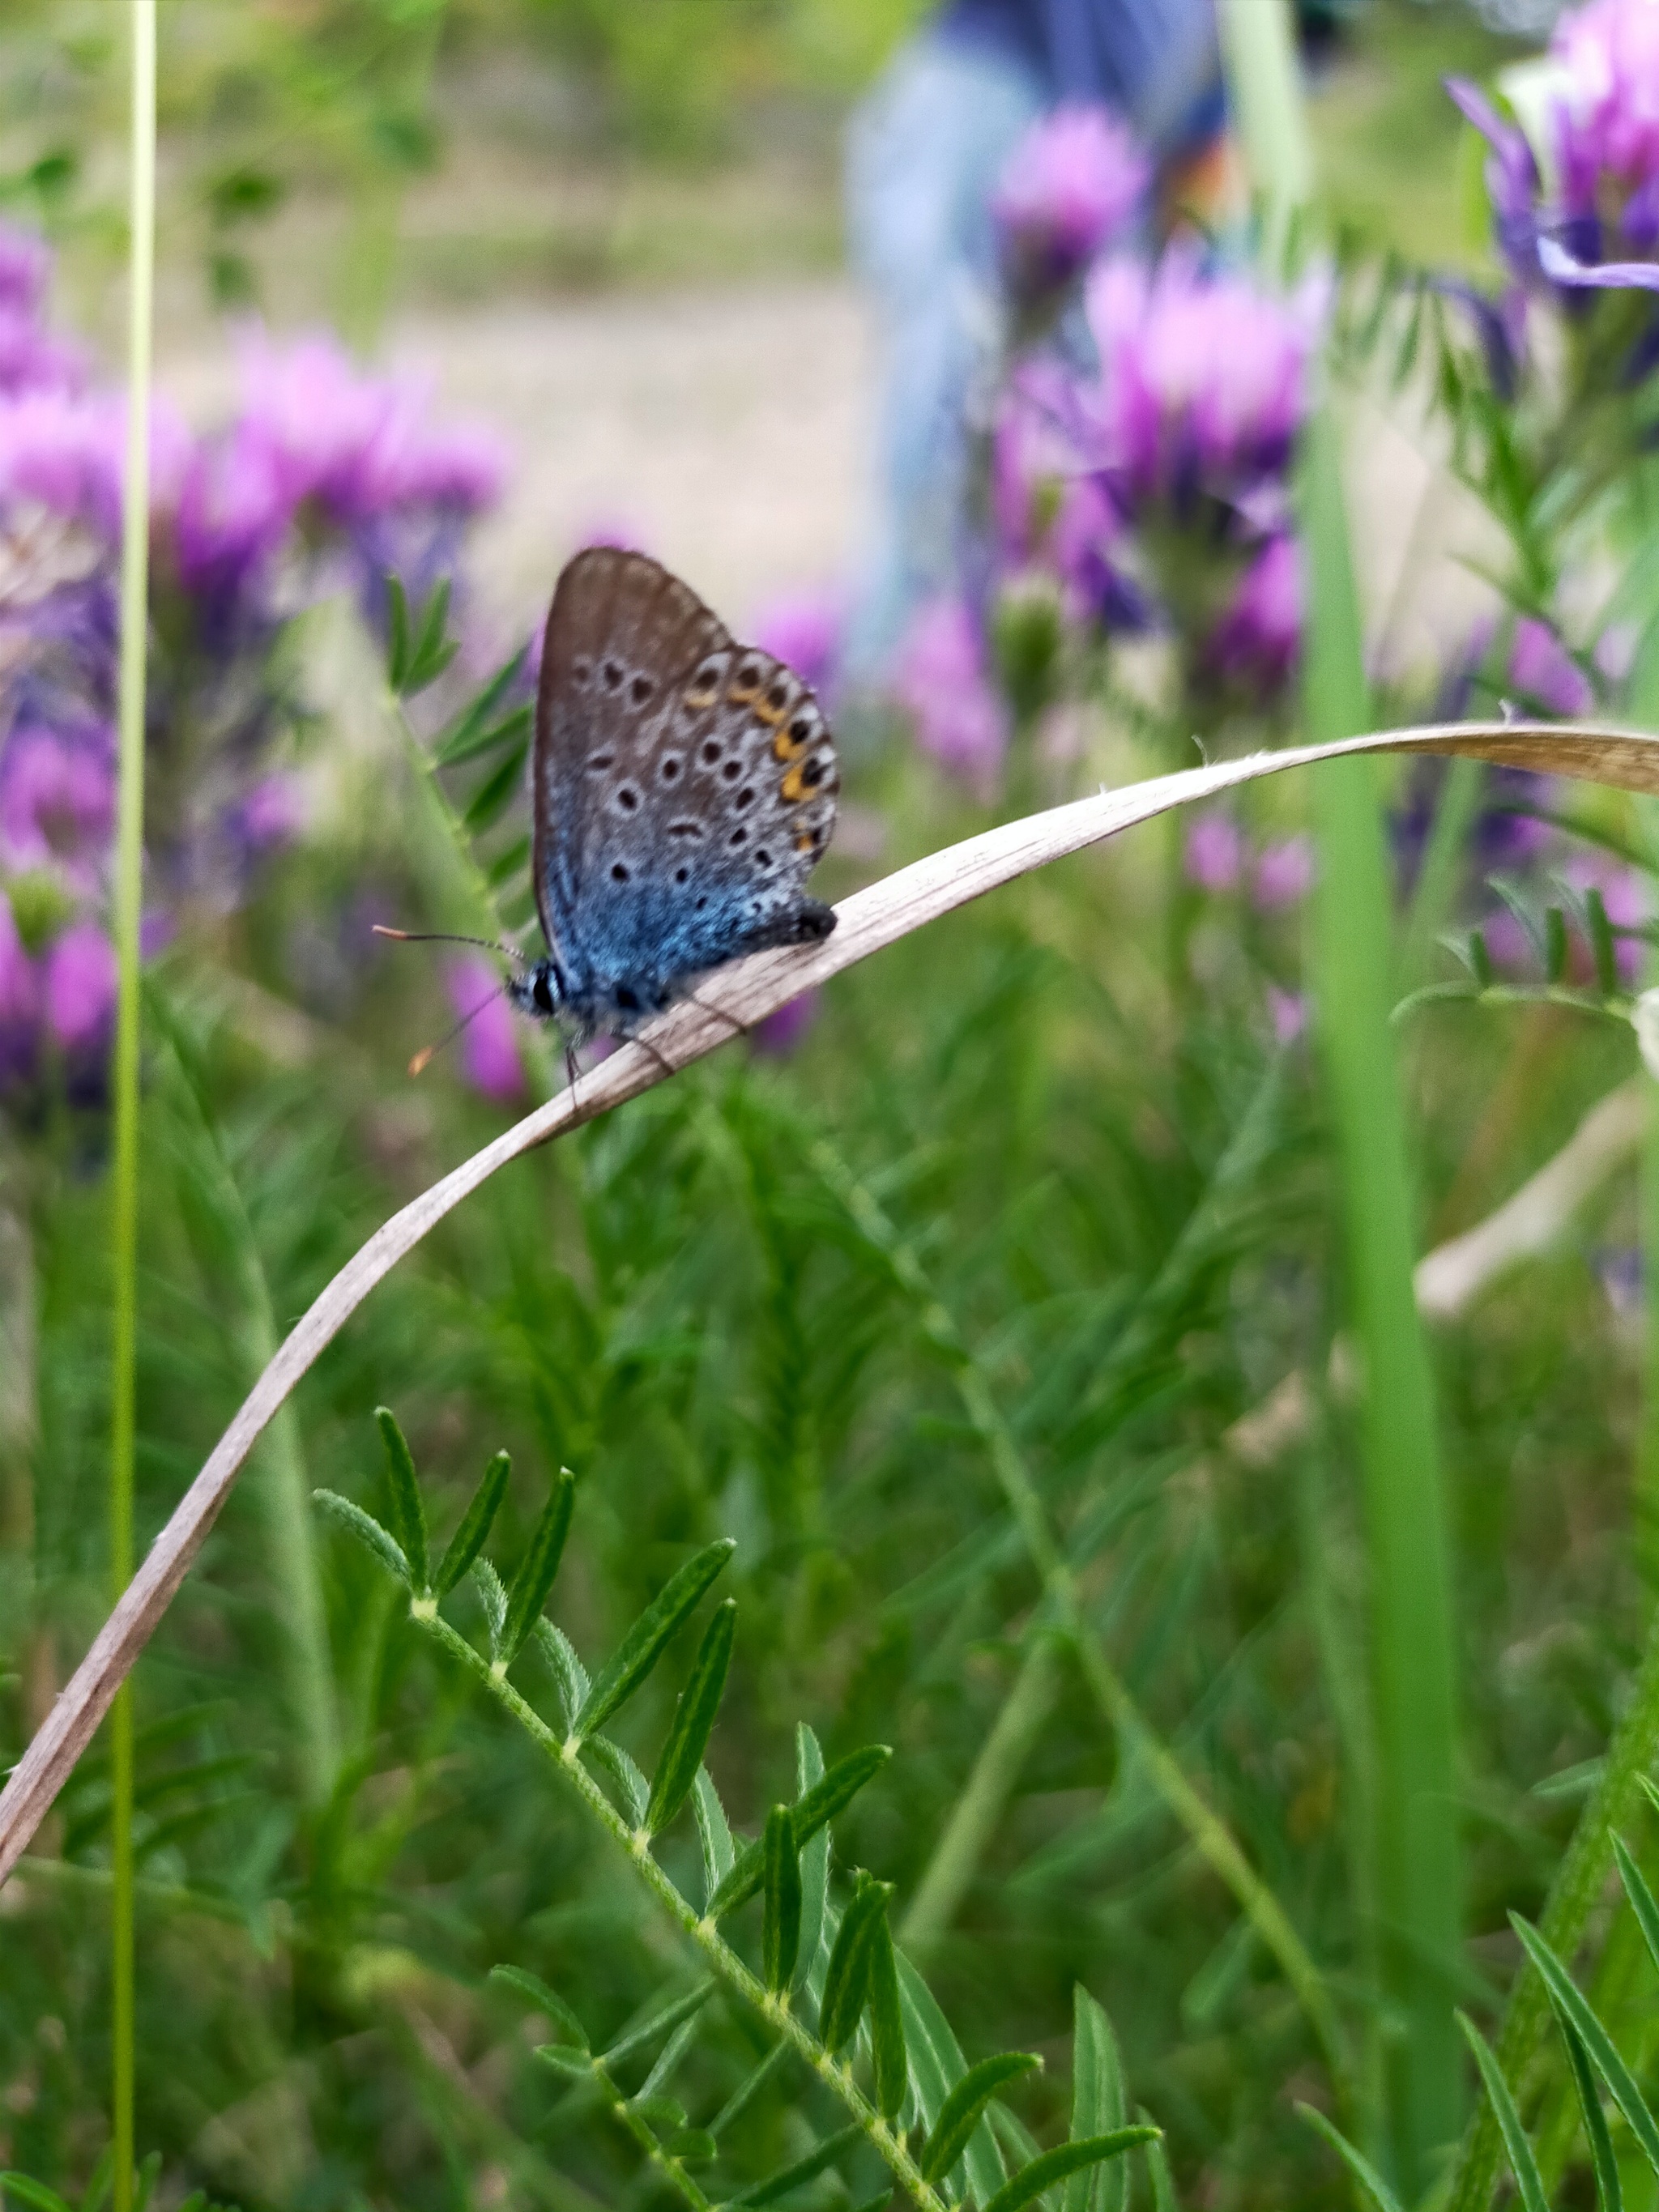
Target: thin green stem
{"points": [[621, 2110], [985, 1795], [128, 892], [1210, 1834], [565, 1752]]}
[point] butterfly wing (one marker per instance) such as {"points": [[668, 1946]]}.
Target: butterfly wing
{"points": [[685, 788]]}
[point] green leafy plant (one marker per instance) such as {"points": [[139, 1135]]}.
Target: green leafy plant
{"points": [[832, 1991]]}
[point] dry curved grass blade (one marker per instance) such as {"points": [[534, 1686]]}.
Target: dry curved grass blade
{"points": [[736, 999]]}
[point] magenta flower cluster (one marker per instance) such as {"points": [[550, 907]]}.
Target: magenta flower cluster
{"points": [[1072, 185], [1575, 202], [326, 476]]}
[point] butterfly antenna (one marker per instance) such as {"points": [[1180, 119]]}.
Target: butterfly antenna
{"points": [[428, 1053], [447, 937]]}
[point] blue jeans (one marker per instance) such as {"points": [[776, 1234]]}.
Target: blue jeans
{"points": [[924, 155]]}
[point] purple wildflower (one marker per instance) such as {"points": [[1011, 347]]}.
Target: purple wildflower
{"points": [[1215, 852], [79, 988], [1204, 378], [235, 510], [1543, 671], [1071, 185], [490, 1044], [1285, 873], [782, 1030], [941, 677], [357, 445], [1049, 509], [1259, 637], [57, 802], [802, 630], [25, 270], [31, 359], [265, 817], [63, 451], [19, 1002]]}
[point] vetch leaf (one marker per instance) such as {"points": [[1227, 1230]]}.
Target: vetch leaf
{"points": [[959, 2114], [563, 2060], [748, 2089], [457, 741], [693, 1719], [803, 2169], [780, 1929], [1602, 948], [1097, 2105], [26, 2191], [846, 1979], [539, 1564], [1528, 2178], [495, 794], [645, 1642], [543, 1998], [513, 728], [493, 1597], [1067, 2158], [366, 1529], [659, 2112], [431, 655], [408, 1512], [814, 1858], [692, 2146], [568, 1672], [1157, 2165], [1356, 2161], [660, 2024], [1570, 2005], [468, 1540], [505, 866], [819, 1805], [713, 1833], [936, 2065], [1609, 2188], [397, 608], [886, 2022], [624, 1773]]}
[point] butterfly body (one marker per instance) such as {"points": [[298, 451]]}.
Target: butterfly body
{"points": [[685, 788]]}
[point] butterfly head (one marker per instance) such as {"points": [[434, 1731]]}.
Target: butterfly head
{"points": [[538, 990]]}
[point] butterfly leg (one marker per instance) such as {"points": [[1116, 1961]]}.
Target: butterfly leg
{"points": [[571, 1070]]}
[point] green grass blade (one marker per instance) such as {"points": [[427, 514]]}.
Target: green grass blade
{"points": [[1522, 2164], [1609, 2189], [959, 2114], [477, 1522], [408, 1509], [1097, 2105], [1641, 1901], [1066, 2159], [1356, 2161], [693, 1721], [1570, 2005], [781, 1927], [539, 1565], [1416, 1846], [649, 1636], [35, 2194]]}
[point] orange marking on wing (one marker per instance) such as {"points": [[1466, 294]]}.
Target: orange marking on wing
{"points": [[698, 700], [792, 787], [769, 714], [786, 747]]}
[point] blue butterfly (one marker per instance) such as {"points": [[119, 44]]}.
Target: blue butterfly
{"points": [[685, 790]]}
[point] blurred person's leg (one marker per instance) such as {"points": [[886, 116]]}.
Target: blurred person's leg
{"points": [[923, 154]]}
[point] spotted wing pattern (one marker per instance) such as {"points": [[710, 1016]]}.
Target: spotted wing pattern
{"points": [[685, 788]]}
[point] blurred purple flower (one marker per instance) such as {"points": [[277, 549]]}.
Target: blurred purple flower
{"points": [[31, 359], [1215, 852], [1285, 873], [1048, 509], [79, 983], [234, 511], [941, 678], [782, 1031], [1288, 1012], [267, 816], [1542, 668], [490, 1044], [25, 270], [358, 445], [57, 802], [62, 451], [1259, 637], [802, 628], [19, 1002], [1070, 185], [1203, 377]]}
